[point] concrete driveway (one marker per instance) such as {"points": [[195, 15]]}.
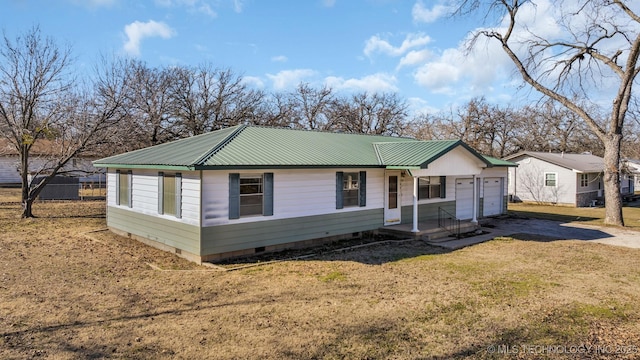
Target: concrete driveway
{"points": [[556, 230]]}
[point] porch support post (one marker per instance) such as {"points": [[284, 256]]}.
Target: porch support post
{"points": [[415, 205], [474, 220]]}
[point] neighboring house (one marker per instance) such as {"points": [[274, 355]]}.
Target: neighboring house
{"points": [[559, 178], [248, 189], [633, 166], [81, 167]]}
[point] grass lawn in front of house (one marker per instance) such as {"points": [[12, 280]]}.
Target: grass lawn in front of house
{"points": [[69, 290]]}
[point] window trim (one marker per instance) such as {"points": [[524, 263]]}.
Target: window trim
{"points": [[234, 194], [441, 185], [177, 193], [129, 182], [584, 180], [259, 194], [362, 189], [555, 179]]}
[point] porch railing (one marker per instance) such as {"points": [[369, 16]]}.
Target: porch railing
{"points": [[448, 222]]}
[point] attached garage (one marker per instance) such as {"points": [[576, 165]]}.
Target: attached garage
{"points": [[493, 196], [464, 198]]}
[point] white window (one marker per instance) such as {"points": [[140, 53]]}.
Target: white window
{"points": [[251, 194], [123, 187], [351, 189], [428, 187], [170, 196], [551, 179], [584, 180]]}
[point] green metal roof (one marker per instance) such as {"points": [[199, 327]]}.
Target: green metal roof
{"points": [[419, 153], [262, 147], [499, 162]]}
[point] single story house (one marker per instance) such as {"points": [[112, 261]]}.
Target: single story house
{"points": [[248, 189], [41, 162], [633, 166], [559, 178]]}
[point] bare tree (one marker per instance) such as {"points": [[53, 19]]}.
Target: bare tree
{"points": [[207, 99], [39, 105], [598, 43], [310, 107], [364, 113], [487, 128], [151, 105], [276, 111]]}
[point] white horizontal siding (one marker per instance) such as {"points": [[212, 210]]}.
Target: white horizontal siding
{"points": [[145, 195], [191, 198], [529, 182], [144, 191], [111, 187], [9, 165], [9, 170], [457, 162], [296, 193]]}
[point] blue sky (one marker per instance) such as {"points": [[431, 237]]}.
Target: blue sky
{"points": [[408, 47]]}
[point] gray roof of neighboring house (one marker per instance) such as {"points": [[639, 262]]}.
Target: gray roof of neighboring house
{"points": [[245, 146], [586, 163]]}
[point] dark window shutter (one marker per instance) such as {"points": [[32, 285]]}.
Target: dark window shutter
{"points": [[234, 196], [363, 188], [267, 200], [339, 181], [117, 187], [160, 193], [178, 195], [130, 187], [443, 187]]}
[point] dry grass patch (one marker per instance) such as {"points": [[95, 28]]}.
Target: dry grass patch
{"points": [[66, 296], [587, 215]]}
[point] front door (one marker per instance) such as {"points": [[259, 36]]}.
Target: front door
{"points": [[392, 206]]}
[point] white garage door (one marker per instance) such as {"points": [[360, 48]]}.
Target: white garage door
{"points": [[493, 198], [464, 199]]}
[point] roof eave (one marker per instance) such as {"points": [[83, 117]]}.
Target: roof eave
{"points": [[146, 166], [267, 167]]}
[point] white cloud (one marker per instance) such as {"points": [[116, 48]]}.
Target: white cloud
{"points": [[196, 6], [421, 14], [377, 44], [238, 5], [288, 79], [421, 106], [414, 58], [457, 68], [380, 82], [207, 10], [279, 58], [253, 81], [138, 31]]}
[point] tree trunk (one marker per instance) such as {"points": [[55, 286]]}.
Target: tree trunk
{"points": [[612, 196], [27, 201], [27, 206]]}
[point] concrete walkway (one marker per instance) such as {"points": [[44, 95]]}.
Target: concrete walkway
{"points": [[552, 230]]}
